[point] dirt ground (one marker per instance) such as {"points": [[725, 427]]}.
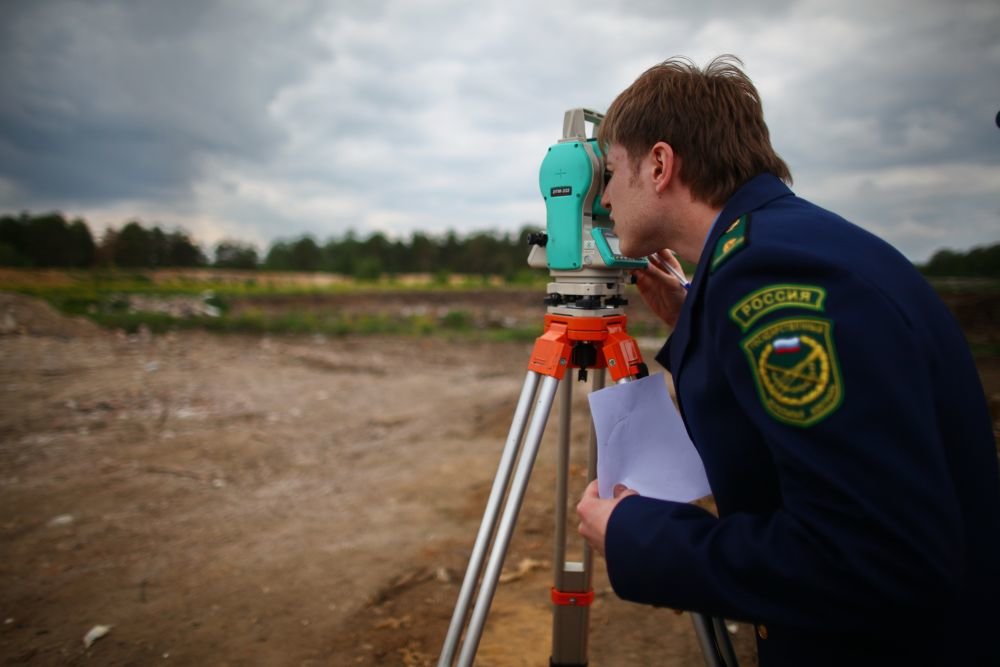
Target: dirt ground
{"points": [[238, 500]]}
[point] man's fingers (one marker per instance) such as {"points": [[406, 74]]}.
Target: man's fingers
{"points": [[657, 260], [620, 491], [672, 259], [666, 256], [651, 277], [590, 493]]}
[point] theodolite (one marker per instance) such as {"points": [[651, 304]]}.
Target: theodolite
{"points": [[585, 327]]}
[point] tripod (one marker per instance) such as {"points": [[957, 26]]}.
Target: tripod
{"points": [[589, 333]]}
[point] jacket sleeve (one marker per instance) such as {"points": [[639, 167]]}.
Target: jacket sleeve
{"points": [[869, 523]]}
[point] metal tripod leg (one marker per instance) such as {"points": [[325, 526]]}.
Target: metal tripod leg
{"points": [[726, 651], [505, 528], [714, 641], [486, 529], [571, 622]]}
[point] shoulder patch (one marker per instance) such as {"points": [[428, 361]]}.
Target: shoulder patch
{"points": [[795, 368], [732, 240], [774, 297]]}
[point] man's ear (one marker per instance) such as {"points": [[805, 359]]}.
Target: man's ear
{"points": [[663, 162]]}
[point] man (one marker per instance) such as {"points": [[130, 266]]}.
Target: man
{"points": [[830, 394]]}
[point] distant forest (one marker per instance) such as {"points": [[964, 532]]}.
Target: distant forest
{"points": [[49, 240]]}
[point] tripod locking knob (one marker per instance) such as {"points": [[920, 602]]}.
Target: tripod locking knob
{"points": [[538, 238]]}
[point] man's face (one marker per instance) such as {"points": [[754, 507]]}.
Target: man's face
{"points": [[627, 197]]}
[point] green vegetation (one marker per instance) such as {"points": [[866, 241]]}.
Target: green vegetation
{"points": [[118, 281], [455, 325], [982, 262], [139, 277], [276, 303], [297, 322], [49, 240]]}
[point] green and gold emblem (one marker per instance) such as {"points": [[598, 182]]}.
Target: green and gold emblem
{"points": [[794, 365], [732, 240]]}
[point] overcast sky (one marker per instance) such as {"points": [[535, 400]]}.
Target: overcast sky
{"points": [[259, 120]]}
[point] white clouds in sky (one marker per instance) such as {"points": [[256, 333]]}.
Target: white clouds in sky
{"points": [[261, 120]]}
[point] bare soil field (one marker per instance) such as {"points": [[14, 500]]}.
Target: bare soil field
{"points": [[251, 500]]}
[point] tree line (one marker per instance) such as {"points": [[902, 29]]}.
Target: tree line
{"points": [[979, 261], [50, 240]]}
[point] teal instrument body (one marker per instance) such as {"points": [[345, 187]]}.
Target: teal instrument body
{"points": [[571, 180]]}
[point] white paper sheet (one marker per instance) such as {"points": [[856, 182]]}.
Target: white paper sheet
{"points": [[642, 443]]}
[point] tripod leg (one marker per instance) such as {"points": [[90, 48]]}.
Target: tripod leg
{"points": [[725, 645], [519, 485], [562, 480], [572, 590], [703, 629], [507, 460], [714, 639], [599, 378]]}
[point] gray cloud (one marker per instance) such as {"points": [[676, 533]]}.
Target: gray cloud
{"points": [[110, 100], [260, 119], [913, 83]]}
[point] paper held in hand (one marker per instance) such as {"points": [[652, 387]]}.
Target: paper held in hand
{"points": [[642, 443]]}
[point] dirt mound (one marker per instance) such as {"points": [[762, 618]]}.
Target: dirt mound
{"points": [[24, 315]]}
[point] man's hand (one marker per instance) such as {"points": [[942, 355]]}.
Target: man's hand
{"points": [[594, 513], [662, 292]]}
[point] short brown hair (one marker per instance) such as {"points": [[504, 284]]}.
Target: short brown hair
{"points": [[712, 118]]}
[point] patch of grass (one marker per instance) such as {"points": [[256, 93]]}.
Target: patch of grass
{"points": [[167, 300], [513, 335], [985, 350], [456, 327], [965, 285], [457, 320], [52, 284], [129, 300]]}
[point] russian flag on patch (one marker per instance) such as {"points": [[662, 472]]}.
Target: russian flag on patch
{"points": [[786, 345]]}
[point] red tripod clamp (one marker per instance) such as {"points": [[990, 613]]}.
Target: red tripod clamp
{"points": [[573, 598]]}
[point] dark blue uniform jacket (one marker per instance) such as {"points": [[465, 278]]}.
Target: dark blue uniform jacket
{"points": [[845, 434]]}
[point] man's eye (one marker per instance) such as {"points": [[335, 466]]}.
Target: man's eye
{"points": [[607, 177]]}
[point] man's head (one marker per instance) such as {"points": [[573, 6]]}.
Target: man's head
{"points": [[711, 118]]}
